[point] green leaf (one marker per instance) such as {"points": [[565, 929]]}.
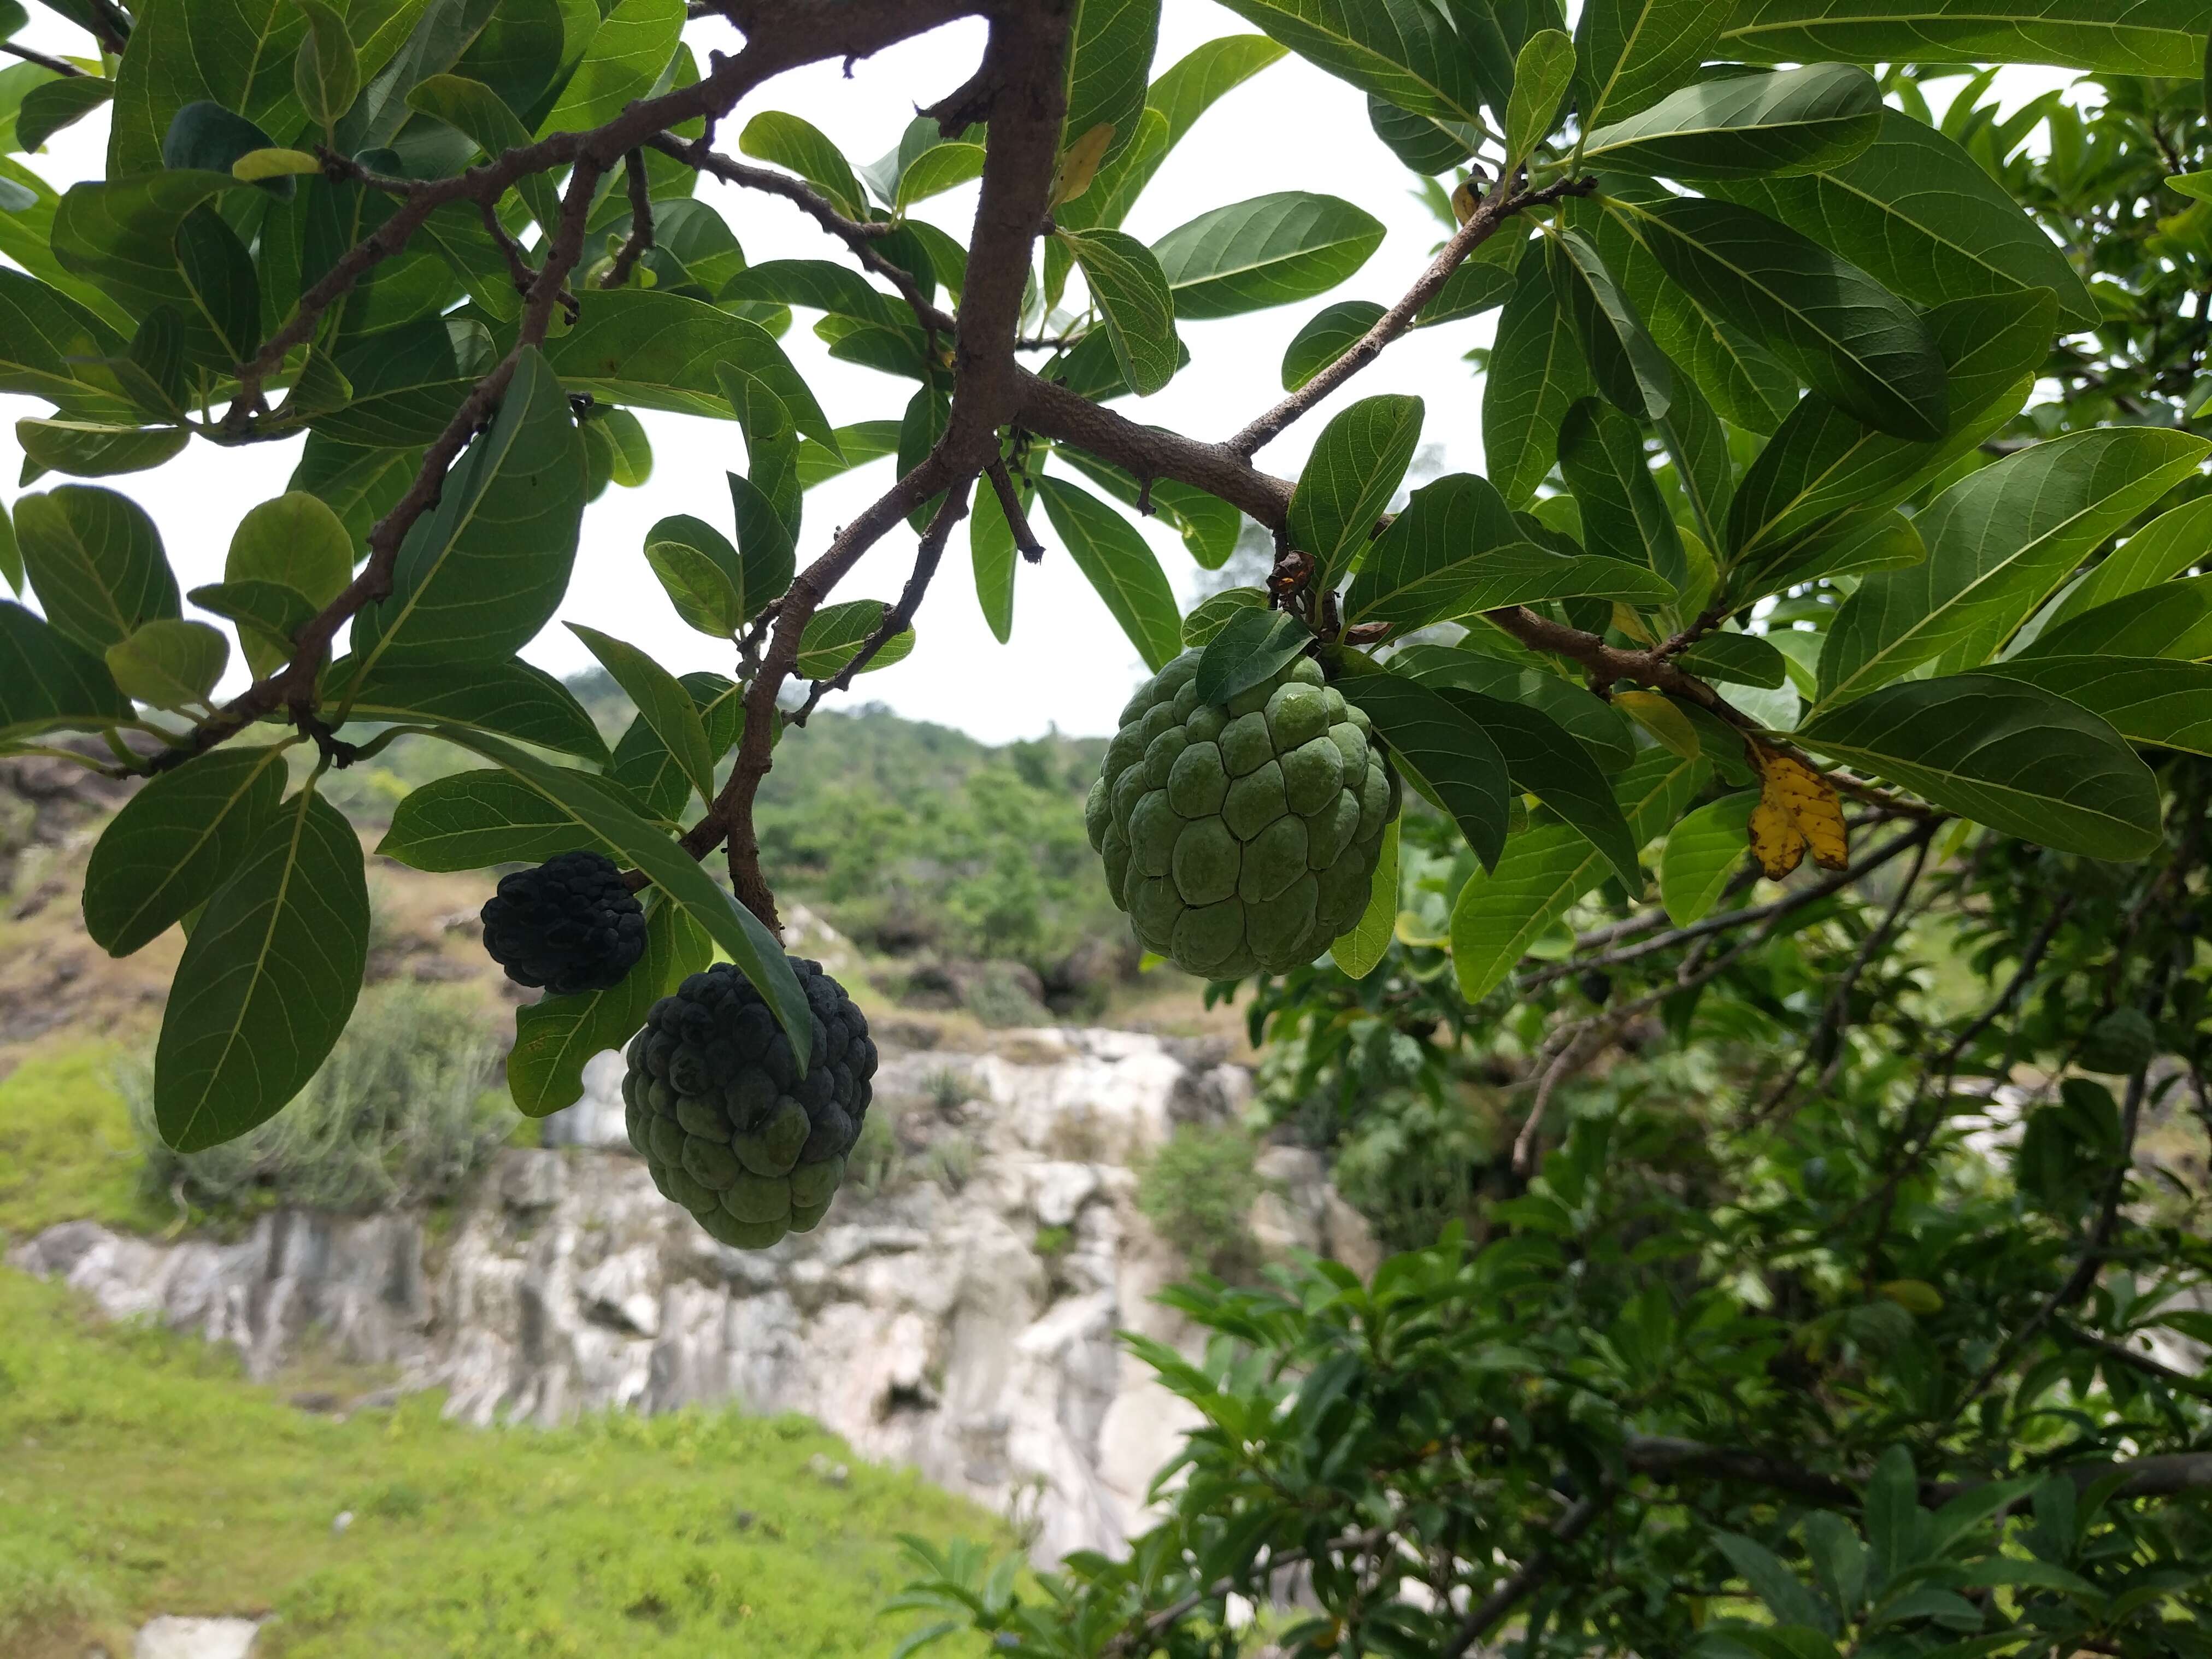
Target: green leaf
{"points": [[1543, 761], [206, 138], [554, 1036], [471, 820], [649, 775], [1843, 332], [168, 662], [1536, 373], [1359, 952], [1441, 746], [1999, 541], [629, 838], [509, 697], [1747, 126], [1209, 526], [1602, 730], [628, 54], [267, 981], [1633, 52], [1131, 293], [51, 348], [1109, 66], [1113, 558], [259, 166], [2161, 549], [47, 109], [1790, 1601], [326, 73], [1627, 367], [662, 704], [1355, 468], [1423, 142], [1546, 868], [1824, 461], [1250, 647], [479, 574], [89, 449], [475, 111], [771, 451], [648, 349], [11, 555], [1703, 852], [1920, 214], [1739, 377], [834, 636], [991, 550], [1216, 611], [1895, 1524], [176, 841], [1455, 551], [2139, 37], [2005, 754], [1401, 49], [819, 285], [1541, 75], [295, 540], [1195, 82], [95, 562], [799, 146], [1738, 659], [1485, 281], [238, 56], [1269, 250], [1601, 455], [145, 242], [2152, 700], [937, 169], [2173, 619], [1330, 333], [48, 680], [698, 586]]}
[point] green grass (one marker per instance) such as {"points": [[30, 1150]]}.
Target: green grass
{"points": [[66, 1149], [140, 1474]]}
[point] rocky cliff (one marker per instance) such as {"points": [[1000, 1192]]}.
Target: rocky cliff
{"points": [[959, 1315]]}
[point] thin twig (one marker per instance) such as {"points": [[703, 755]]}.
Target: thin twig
{"points": [[518, 268], [1491, 1610], [30, 55], [641, 222], [1010, 503]]}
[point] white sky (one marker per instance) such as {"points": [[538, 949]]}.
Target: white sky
{"points": [[1290, 128]]}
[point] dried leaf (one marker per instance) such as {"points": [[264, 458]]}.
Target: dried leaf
{"points": [[1798, 810]]}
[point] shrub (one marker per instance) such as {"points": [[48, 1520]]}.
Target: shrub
{"points": [[398, 1115], [1198, 1190]]}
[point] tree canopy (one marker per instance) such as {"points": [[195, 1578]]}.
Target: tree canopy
{"points": [[1766, 1006]]}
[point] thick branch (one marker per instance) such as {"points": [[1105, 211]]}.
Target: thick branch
{"points": [[1054, 412], [1010, 503], [29, 54]]}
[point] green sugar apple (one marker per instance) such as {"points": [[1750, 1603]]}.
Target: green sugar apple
{"points": [[1241, 837]]}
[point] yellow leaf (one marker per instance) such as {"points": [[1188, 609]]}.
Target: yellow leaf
{"points": [[1661, 718], [1775, 842], [257, 164], [1915, 1295], [1630, 624], [1078, 163], [1811, 800]]}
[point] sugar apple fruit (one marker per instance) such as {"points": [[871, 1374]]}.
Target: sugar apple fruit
{"points": [[1242, 837], [727, 1127], [569, 925]]}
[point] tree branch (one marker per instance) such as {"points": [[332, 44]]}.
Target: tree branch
{"points": [[1010, 503], [641, 222], [1531, 1572], [58, 65], [1492, 211]]}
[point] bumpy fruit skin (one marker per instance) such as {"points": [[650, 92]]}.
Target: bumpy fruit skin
{"points": [[725, 1122], [569, 925], [1241, 837]]}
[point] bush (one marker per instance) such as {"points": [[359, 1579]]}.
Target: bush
{"points": [[1198, 1190], [398, 1115]]}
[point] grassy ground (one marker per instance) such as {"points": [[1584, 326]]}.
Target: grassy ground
{"points": [[139, 1474]]}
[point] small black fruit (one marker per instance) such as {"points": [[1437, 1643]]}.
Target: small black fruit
{"points": [[570, 925]]}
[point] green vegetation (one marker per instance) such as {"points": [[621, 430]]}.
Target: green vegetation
{"points": [[141, 1476], [67, 1152], [401, 1114], [1198, 1190]]}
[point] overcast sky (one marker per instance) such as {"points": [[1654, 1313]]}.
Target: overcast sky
{"points": [[1290, 128]]}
